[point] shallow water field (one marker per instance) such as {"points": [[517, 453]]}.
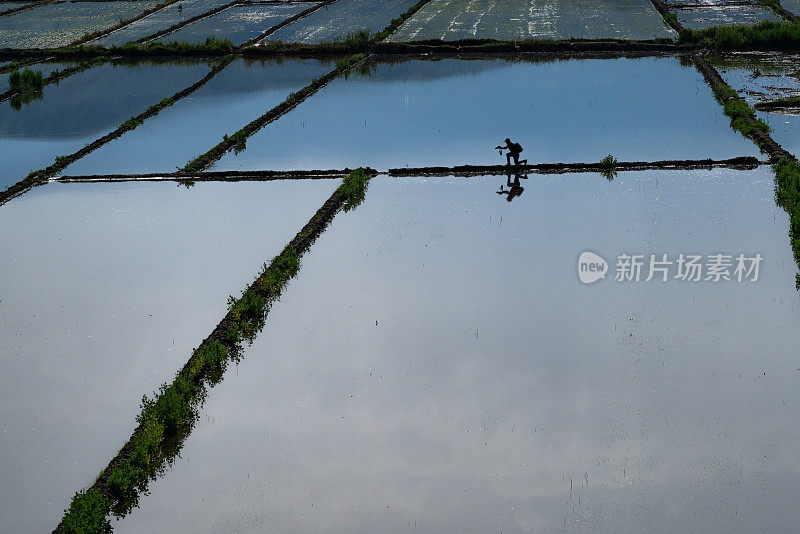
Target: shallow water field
{"points": [[82, 108], [45, 68], [160, 20], [764, 78], [192, 125], [10, 5], [497, 392], [102, 301], [791, 5], [453, 112], [333, 22], [699, 17], [60, 23], [528, 19], [238, 23]]}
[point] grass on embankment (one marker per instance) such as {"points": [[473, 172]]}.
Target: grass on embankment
{"points": [[168, 416], [764, 35], [787, 196]]}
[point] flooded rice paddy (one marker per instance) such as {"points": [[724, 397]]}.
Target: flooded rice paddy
{"points": [[497, 392], [60, 23], [160, 20], [763, 78], [438, 362], [244, 89], [111, 289], [453, 112], [81, 108], [237, 23], [522, 19], [45, 68], [333, 22]]}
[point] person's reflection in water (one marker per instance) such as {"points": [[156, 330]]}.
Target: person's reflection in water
{"points": [[514, 188]]}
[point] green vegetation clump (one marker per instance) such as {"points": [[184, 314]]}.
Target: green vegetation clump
{"points": [[609, 166], [87, 513], [359, 37], [354, 186], [787, 196], [239, 139], [764, 35], [28, 85], [743, 117], [25, 81]]}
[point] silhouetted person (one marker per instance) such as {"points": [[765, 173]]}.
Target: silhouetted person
{"points": [[514, 150], [180, 9], [514, 188]]}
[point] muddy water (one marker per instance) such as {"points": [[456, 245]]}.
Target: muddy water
{"points": [[244, 90], [104, 291], [454, 112], [333, 22], [238, 23], [82, 108], [60, 23], [763, 78], [526, 19], [161, 20], [453, 374]]}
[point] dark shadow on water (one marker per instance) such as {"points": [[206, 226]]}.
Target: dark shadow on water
{"points": [[515, 189]]}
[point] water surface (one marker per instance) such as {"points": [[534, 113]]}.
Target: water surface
{"points": [[708, 14], [765, 77], [238, 23], [333, 22], [104, 291], [453, 112], [160, 20], [437, 366], [82, 108], [60, 23], [238, 94], [529, 19]]}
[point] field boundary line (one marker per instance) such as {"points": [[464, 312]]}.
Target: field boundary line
{"points": [[745, 162]]}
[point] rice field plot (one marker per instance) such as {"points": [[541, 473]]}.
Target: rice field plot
{"points": [[453, 112], [708, 13], [160, 20], [60, 23], [534, 19], [106, 289], [46, 68], [335, 21], [238, 23], [244, 90], [496, 387], [5, 6], [792, 6], [764, 78], [82, 108]]}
